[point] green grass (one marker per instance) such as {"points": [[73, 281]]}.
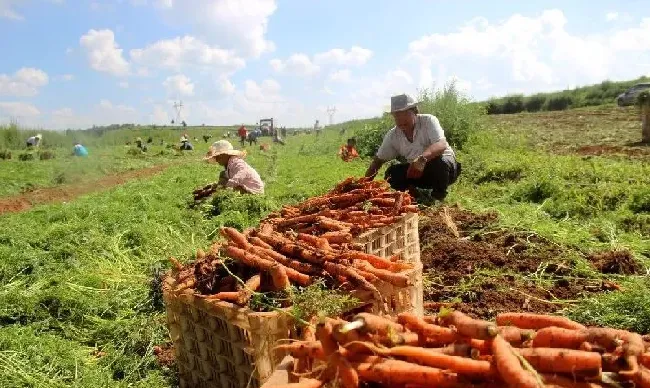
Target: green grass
{"points": [[75, 278]]}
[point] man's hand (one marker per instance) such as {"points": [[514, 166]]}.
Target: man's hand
{"points": [[416, 168], [420, 163]]}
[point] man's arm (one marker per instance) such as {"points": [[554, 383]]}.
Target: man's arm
{"points": [[374, 167], [435, 150]]}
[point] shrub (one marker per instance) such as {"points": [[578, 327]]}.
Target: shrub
{"points": [[640, 201], [536, 191], [560, 102], [493, 107], [5, 154], [535, 103], [513, 104], [26, 156], [45, 155]]}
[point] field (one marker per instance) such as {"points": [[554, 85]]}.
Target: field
{"points": [[535, 223]]}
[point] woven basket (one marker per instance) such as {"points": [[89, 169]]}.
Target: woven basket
{"points": [[395, 300], [400, 238], [218, 344]]}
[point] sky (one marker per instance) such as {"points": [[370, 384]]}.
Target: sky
{"points": [[78, 63]]}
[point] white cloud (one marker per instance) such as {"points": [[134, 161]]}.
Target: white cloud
{"points": [[159, 115], [104, 53], [7, 10], [186, 51], [123, 85], [611, 16], [179, 85], [340, 76], [356, 56], [25, 82], [226, 87], [239, 25], [19, 109], [296, 64]]}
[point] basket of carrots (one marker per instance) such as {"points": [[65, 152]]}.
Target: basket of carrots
{"points": [[454, 350], [361, 211], [227, 307]]}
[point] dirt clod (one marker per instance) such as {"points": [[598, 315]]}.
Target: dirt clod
{"points": [[619, 262], [165, 355]]}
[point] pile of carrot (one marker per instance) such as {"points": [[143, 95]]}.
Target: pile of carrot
{"points": [[354, 206], [264, 260], [454, 350]]}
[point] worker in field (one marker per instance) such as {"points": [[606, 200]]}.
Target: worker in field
{"points": [[348, 151], [238, 175], [34, 141], [140, 144], [79, 150], [185, 144], [243, 133], [206, 137], [317, 128], [419, 140], [252, 137]]}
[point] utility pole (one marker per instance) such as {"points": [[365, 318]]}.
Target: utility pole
{"points": [[178, 106]]}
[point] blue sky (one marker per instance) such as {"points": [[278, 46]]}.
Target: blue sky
{"points": [[75, 63]]}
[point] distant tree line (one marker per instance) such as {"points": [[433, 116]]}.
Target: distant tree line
{"points": [[593, 95]]}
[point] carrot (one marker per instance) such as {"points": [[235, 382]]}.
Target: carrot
{"points": [[469, 327], [235, 236], [642, 378], [304, 383], [299, 266], [375, 261], [227, 296], [318, 242], [351, 275], [348, 376], [396, 373], [297, 220], [324, 335], [333, 225], [410, 209], [252, 285], [429, 357], [509, 366], [557, 337], [302, 349], [367, 275], [338, 237], [396, 279], [515, 335], [433, 335], [261, 264], [455, 349], [399, 200], [289, 248], [258, 241], [376, 324], [645, 360], [536, 321], [177, 266], [562, 360], [633, 346], [383, 202], [279, 277]]}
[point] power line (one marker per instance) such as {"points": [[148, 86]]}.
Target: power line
{"points": [[330, 111]]}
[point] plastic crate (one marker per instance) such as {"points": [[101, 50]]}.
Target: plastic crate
{"points": [[395, 300], [400, 238], [218, 344]]}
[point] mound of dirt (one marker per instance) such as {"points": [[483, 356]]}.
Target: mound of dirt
{"points": [[165, 355], [619, 262], [456, 244], [605, 149]]}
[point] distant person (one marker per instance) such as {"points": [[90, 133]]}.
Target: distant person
{"points": [[277, 138], [252, 137], [243, 133], [140, 145], [317, 128], [150, 140], [79, 150], [348, 151], [34, 141], [283, 131], [206, 138], [185, 144], [420, 140], [238, 175]]}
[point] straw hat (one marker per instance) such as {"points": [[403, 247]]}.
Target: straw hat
{"points": [[222, 147], [401, 103], [38, 136]]}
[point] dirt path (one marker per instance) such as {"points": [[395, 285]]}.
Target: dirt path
{"points": [[65, 193]]}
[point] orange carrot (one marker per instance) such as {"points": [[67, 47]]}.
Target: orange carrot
{"points": [[227, 296], [258, 241], [562, 360], [324, 335], [252, 285], [433, 335], [339, 237], [509, 366], [642, 378], [318, 242], [645, 360], [375, 261], [383, 202], [333, 225], [396, 373], [396, 279], [429, 357], [279, 277], [515, 335], [346, 374], [469, 327], [255, 261], [304, 383], [536, 321], [235, 236], [379, 325], [351, 275], [557, 337], [299, 266], [566, 382]]}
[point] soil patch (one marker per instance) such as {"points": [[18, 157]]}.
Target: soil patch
{"points": [[604, 149], [27, 200], [619, 262], [480, 268], [165, 355]]}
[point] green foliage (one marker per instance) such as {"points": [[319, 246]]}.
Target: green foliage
{"points": [[593, 95], [231, 208], [499, 173], [317, 300], [5, 154], [25, 156], [536, 191], [640, 201]]}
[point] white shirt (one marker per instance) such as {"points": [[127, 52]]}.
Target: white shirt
{"points": [[426, 132], [32, 140]]}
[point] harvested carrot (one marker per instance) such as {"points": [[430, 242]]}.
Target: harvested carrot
{"points": [[536, 321], [324, 335], [252, 285], [515, 335], [379, 325], [509, 366], [645, 360], [279, 276], [258, 241], [301, 349], [642, 378], [562, 360], [396, 373], [299, 266], [338, 237], [304, 383], [469, 327], [435, 335], [227, 296], [566, 382], [319, 242], [333, 225], [255, 261], [346, 374], [375, 261], [557, 337], [396, 279], [235, 236]]}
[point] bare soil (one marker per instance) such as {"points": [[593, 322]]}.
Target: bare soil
{"points": [[165, 355], [482, 268], [619, 262], [65, 193]]}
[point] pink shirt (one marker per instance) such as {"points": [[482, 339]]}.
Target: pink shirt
{"points": [[241, 174]]}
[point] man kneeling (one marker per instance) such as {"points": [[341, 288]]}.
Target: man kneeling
{"points": [[420, 140]]}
